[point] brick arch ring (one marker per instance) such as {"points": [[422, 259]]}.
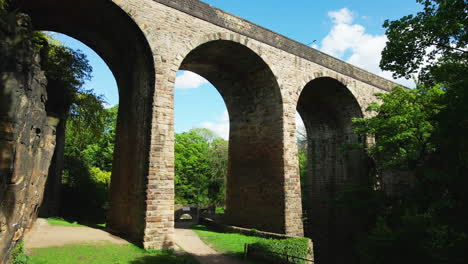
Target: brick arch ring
{"points": [[227, 36]]}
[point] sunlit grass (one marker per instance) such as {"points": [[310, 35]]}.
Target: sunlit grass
{"points": [[226, 243], [61, 222], [105, 254], [58, 221]]}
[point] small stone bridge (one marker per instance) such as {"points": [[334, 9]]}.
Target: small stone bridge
{"points": [[263, 78]]}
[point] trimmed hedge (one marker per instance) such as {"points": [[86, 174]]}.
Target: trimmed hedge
{"points": [[279, 249]]}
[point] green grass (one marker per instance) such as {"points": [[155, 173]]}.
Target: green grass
{"points": [[226, 243], [61, 222], [219, 210], [64, 222], [105, 254]]}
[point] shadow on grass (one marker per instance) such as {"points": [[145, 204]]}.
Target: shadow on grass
{"points": [[69, 221], [201, 227], [166, 258]]}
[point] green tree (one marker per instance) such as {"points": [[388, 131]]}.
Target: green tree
{"points": [[192, 168], [89, 133], [88, 162], [423, 132], [201, 160], [403, 126], [433, 37], [86, 171], [93, 140], [218, 160], [87, 119], [303, 163], [66, 71]]}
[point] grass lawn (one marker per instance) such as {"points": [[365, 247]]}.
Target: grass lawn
{"points": [[226, 243], [105, 254], [61, 222]]}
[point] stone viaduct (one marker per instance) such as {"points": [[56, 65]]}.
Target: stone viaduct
{"points": [[263, 78]]}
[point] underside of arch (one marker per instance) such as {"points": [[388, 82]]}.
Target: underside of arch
{"points": [[111, 33], [334, 164], [255, 183]]}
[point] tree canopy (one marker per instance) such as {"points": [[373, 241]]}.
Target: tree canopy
{"points": [[88, 161], [89, 129], [432, 38], [422, 134], [200, 167], [403, 126]]}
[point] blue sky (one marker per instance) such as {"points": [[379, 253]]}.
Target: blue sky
{"points": [[348, 29]]}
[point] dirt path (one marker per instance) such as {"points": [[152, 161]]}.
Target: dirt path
{"points": [[192, 244], [44, 235]]}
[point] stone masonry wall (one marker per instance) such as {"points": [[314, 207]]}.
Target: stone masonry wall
{"points": [[173, 30]]}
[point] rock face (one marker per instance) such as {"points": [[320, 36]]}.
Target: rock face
{"points": [[27, 134], [52, 194]]}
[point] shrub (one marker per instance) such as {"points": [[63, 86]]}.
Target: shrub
{"points": [[297, 247], [18, 256]]}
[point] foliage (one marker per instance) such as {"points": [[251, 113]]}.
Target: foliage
{"points": [[106, 253], [233, 244], [218, 160], [191, 168], [422, 132], [297, 247], [303, 170], [100, 177], [423, 222], [90, 129], [3, 5], [402, 125], [220, 210], [87, 119], [88, 162], [18, 256], [439, 31], [303, 167], [66, 71], [200, 167], [63, 64]]}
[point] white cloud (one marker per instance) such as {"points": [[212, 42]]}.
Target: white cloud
{"points": [[350, 42], [189, 80], [300, 127], [299, 123], [343, 15], [220, 126]]}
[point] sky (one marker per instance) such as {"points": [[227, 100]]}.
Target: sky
{"points": [[350, 30]]}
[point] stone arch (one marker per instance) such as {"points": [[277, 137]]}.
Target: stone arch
{"points": [[327, 106], [255, 184], [231, 37], [112, 34], [344, 80]]}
